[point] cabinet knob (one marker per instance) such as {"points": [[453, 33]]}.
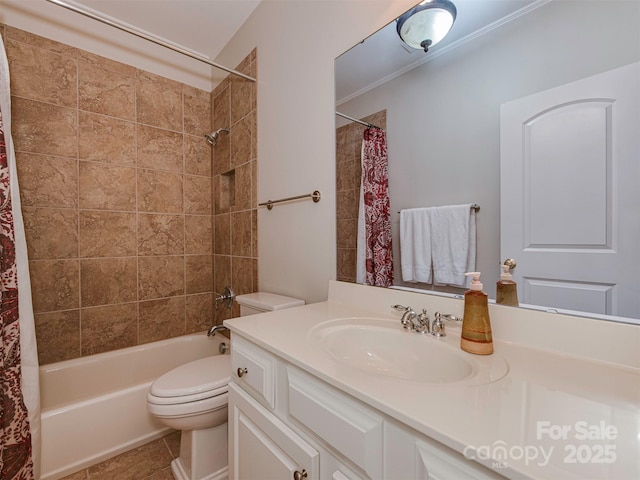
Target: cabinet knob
{"points": [[299, 475], [242, 371]]}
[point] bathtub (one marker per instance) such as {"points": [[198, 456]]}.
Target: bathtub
{"points": [[95, 407]]}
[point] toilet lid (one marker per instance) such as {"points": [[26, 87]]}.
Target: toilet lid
{"points": [[199, 376]]}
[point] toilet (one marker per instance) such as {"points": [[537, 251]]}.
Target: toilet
{"points": [[192, 398]]}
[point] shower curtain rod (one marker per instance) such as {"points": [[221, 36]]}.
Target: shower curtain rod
{"points": [[148, 37], [357, 121]]}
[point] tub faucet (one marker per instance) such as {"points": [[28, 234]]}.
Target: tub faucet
{"points": [[216, 328]]}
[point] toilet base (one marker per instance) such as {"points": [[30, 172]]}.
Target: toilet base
{"points": [[203, 454], [179, 473]]}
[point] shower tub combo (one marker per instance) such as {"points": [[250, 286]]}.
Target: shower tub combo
{"points": [[95, 407]]}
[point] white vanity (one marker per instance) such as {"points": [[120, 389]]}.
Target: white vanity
{"points": [[339, 390]]}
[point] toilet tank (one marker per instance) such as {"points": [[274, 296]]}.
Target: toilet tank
{"points": [[260, 302]]}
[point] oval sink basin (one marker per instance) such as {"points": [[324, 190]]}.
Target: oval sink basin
{"points": [[378, 346]]}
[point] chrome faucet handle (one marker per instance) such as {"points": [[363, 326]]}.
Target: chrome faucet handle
{"points": [[449, 316], [437, 327], [407, 317]]}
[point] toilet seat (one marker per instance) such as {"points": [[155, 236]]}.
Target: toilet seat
{"points": [[193, 382]]}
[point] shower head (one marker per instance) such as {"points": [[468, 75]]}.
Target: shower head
{"points": [[212, 137]]}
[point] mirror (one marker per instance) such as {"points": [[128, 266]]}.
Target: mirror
{"points": [[441, 110]]}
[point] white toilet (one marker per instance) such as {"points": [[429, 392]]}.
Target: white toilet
{"points": [[193, 398]]}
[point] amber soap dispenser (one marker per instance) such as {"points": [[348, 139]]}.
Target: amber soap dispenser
{"points": [[506, 288], [476, 327]]}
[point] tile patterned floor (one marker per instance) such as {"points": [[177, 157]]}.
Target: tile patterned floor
{"points": [[148, 462]]}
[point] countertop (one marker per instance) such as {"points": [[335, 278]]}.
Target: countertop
{"points": [[552, 416]]}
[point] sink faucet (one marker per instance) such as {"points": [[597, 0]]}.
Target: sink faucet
{"points": [[412, 320], [216, 328]]}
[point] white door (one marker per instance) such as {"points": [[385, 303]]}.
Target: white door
{"points": [[570, 201]]}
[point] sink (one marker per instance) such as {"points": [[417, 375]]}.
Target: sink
{"points": [[383, 347]]}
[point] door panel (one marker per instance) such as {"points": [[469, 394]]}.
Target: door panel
{"points": [[570, 196]]}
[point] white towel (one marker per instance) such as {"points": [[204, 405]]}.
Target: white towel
{"points": [[453, 243], [415, 245]]}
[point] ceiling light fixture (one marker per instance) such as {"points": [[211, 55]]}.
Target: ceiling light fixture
{"points": [[427, 23]]}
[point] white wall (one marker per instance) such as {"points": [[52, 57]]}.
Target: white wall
{"points": [[297, 43], [443, 122]]}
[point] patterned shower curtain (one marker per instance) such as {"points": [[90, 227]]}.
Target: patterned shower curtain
{"points": [[375, 262], [16, 451]]}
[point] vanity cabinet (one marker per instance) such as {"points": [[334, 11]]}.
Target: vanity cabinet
{"points": [[287, 424]]}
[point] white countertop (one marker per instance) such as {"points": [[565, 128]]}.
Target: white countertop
{"points": [[553, 416]]}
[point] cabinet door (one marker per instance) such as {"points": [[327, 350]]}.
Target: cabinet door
{"points": [[264, 448]]}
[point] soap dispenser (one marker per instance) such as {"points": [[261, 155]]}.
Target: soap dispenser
{"points": [[506, 288], [476, 326]]}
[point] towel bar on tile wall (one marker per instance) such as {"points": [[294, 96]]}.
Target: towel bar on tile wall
{"points": [[315, 196]]}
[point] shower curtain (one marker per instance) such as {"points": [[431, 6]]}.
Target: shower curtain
{"points": [[374, 260], [19, 387]]}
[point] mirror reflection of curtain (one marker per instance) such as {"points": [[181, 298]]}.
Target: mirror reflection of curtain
{"points": [[375, 262]]}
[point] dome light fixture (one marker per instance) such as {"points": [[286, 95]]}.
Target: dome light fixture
{"points": [[427, 23]]}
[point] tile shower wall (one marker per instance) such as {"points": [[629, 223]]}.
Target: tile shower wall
{"points": [[348, 173], [117, 198], [235, 259]]}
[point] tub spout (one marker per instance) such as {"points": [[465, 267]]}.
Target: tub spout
{"points": [[216, 328]]}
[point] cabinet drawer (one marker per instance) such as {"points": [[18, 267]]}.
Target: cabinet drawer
{"points": [[254, 369], [344, 424]]}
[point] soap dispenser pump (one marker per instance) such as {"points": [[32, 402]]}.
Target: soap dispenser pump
{"points": [[506, 288], [476, 326]]}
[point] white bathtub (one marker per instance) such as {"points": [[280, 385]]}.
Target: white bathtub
{"points": [[95, 407]]}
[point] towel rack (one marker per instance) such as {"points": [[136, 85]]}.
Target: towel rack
{"points": [[475, 206], [315, 196]]}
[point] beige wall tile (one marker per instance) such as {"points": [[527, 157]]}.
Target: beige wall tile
{"points": [[197, 111], [58, 336], [161, 276], [222, 272], [51, 232], [44, 128], [222, 234], [197, 155], [241, 234], [107, 281], [47, 181], [199, 273], [107, 187], [347, 233], [199, 311], [42, 75], [160, 234], [242, 275], [198, 235], [222, 119], [254, 233], [164, 114], [106, 63], [109, 328], [346, 259], [106, 92], [197, 195], [55, 285], [107, 234], [159, 192], [160, 149], [240, 142], [240, 98], [106, 139], [160, 319], [242, 188], [38, 41]]}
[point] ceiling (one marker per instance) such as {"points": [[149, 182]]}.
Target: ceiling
{"points": [[204, 26], [383, 55]]}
